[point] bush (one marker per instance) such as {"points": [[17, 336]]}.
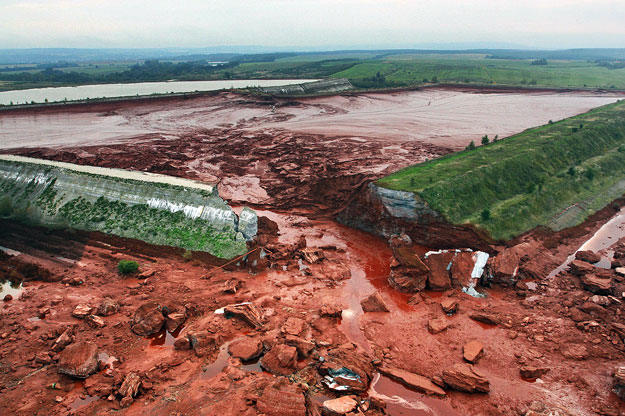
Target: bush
{"points": [[485, 139], [485, 215], [471, 145], [127, 266]]}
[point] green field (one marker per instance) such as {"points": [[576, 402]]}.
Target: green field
{"points": [[554, 175], [604, 69], [403, 70]]}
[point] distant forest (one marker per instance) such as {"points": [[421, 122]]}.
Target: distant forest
{"points": [[150, 70]]}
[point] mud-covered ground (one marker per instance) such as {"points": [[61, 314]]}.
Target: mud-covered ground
{"points": [[306, 321], [537, 324], [314, 153]]}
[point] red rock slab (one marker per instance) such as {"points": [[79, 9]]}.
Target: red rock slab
{"points": [[473, 351], [281, 399], [463, 377], [79, 360], [280, 360], [374, 303], [246, 349], [412, 380]]}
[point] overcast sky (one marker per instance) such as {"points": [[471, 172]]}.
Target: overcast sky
{"points": [[310, 23]]}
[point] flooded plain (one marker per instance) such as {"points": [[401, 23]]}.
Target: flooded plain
{"points": [[441, 117]]}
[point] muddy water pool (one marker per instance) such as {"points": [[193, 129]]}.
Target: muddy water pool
{"points": [[602, 240]]}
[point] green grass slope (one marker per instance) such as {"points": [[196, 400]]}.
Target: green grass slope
{"points": [[554, 175]]}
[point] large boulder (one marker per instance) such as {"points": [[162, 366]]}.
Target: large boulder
{"points": [[304, 347], [580, 268], [463, 377], [175, 314], [504, 267], [596, 284], [281, 398], [461, 268], [108, 307], [346, 370], [588, 256], [413, 381], [280, 360], [408, 272], [406, 280], [148, 319], [472, 351], [439, 265], [202, 342], [79, 360], [438, 325], [373, 303], [246, 349], [339, 406], [294, 326]]}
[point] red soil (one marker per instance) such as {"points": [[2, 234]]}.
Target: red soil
{"points": [[303, 176]]}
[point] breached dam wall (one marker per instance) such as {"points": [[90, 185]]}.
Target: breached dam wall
{"points": [[157, 209], [386, 212], [319, 87]]}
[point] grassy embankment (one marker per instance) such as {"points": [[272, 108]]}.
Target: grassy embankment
{"points": [[554, 175]]}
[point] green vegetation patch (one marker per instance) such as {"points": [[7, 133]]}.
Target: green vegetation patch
{"points": [[155, 226], [127, 266], [554, 175]]}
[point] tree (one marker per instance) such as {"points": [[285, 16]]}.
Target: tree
{"points": [[571, 171], [471, 145], [590, 174], [485, 139]]}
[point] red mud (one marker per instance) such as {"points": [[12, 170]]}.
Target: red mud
{"points": [[313, 153], [548, 325]]}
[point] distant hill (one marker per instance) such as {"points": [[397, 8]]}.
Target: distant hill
{"points": [[247, 54]]}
